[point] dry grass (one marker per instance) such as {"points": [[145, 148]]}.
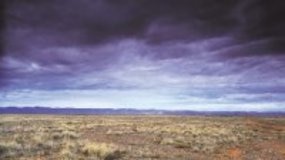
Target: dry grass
{"points": [[140, 137], [101, 150]]}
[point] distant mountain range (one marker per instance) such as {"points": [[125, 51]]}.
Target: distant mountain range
{"points": [[126, 111]]}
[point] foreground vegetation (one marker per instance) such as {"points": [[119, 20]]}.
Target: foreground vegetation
{"points": [[140, 137]]}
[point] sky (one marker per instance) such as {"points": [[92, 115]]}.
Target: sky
{"points": [[226, 55]]}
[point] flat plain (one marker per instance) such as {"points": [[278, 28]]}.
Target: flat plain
{"points": [[73, 137]]}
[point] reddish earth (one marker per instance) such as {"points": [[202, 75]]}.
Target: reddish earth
{"points": [[234, 153]]}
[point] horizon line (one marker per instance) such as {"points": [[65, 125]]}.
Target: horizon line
{"points": [[139, 109]]}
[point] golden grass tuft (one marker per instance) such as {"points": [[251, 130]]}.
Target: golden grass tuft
{"points": [[100, 150], [9, 149]]}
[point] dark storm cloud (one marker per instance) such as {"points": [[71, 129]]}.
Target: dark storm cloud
{"points": [[89, 22], [74, 22], [263, 18], [230, 51], [2, 34], [2, 26]]}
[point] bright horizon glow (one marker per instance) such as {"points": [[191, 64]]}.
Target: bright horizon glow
{"points": [[128, 99]]}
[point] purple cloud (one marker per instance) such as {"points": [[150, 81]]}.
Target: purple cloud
{"points": [[123, 53]]}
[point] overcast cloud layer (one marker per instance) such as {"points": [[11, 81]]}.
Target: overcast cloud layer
{"points": [[164, 54]]}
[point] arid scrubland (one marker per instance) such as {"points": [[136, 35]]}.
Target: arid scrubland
{"points": [[40, 137]]}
